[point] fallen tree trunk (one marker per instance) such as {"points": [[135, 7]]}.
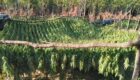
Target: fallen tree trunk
{"points": [[68, 45]]}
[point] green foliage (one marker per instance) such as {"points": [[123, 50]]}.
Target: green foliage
{"points": [[6, 67], [115, 61], [66, 29], [128, 24], [103, 5]]}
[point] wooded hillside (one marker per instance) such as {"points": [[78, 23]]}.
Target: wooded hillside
{"points": [[89, 8]]}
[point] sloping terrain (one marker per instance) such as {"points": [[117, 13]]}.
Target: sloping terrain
{"points": [[63, 30], [111, 63]]}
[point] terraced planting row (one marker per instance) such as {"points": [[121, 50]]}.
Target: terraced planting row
{"points": [[63, 30]]}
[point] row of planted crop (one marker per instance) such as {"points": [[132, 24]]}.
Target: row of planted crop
{"points": [[108, 61], [64, 30], [46, 31]]}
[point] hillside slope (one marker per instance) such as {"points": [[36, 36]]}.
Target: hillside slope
{"points": [[62, 30]]}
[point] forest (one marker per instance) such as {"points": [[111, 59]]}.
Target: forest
{"points": [[88, 8]]}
